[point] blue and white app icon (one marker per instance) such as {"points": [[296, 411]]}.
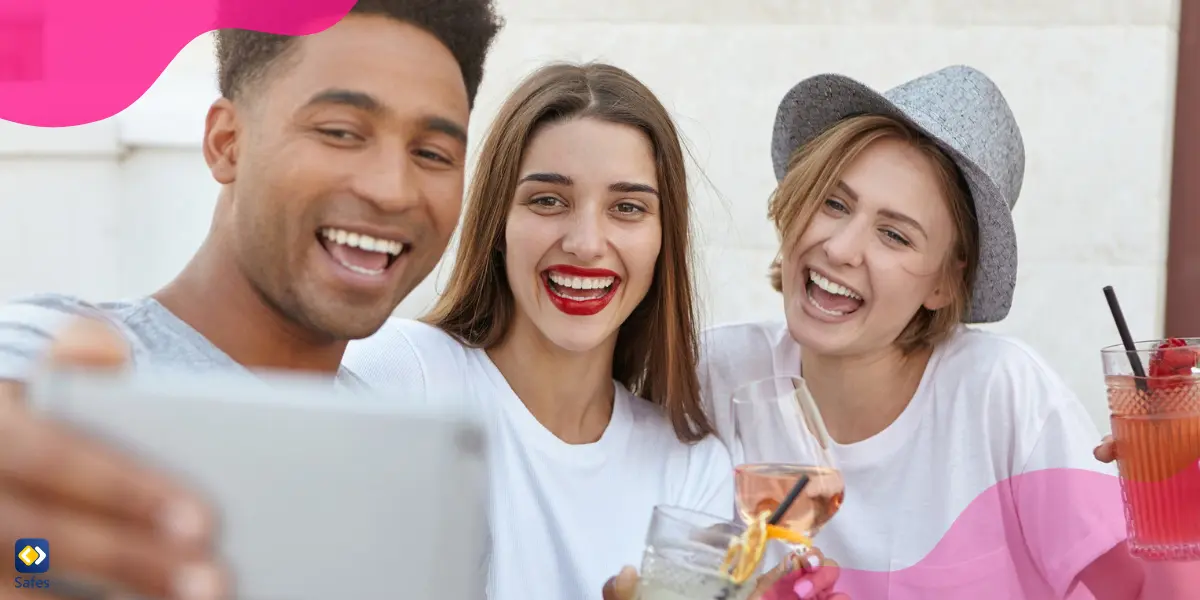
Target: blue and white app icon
{"points": [[32, 555]]}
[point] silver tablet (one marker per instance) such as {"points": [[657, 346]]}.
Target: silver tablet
{"points": [[323, 492]]}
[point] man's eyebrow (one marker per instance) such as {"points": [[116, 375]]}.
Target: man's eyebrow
{"points": [[360, 100], [448, 127], [368, 103]]}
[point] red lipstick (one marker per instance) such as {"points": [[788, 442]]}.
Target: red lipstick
{"points": [[574, 307]]}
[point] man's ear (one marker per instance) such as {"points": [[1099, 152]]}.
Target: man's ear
{"points": [[222, 133]]}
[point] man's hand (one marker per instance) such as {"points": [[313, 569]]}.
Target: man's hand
{"points": [[111, 520]]}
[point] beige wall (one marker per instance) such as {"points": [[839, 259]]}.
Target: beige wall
{"points": [[116, 208]]}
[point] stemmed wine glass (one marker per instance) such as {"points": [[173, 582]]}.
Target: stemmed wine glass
{"points": [[782, 438]]}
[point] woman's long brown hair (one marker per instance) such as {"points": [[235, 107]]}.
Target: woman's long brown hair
{"points": [[656, 347]]}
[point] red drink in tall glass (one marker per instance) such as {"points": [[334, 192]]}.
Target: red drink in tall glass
{"points": [[1156, 429]]}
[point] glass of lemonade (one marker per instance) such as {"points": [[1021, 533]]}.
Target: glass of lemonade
{"points": [[782, 438], [684, 557], [1156, 429]]}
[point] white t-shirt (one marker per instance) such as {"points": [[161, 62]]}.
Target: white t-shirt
{"points": [[987, 409], [565, 517]]}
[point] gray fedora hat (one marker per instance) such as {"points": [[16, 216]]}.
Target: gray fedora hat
{"points": [[965, 114]]}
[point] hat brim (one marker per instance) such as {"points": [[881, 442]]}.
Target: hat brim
{"points": [[817, 103]]}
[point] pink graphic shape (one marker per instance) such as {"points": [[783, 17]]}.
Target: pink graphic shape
{"points": [[73, 62], [1029, 537]]}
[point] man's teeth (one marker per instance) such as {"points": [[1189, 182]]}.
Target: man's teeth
{"points": [[581, 283], [831, 287], [362, 242]]}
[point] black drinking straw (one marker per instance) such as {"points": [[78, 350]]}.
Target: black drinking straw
{"points": [[1139, 374], [787, 501]]}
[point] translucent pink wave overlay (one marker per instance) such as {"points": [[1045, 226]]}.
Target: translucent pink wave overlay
{"points": [[1030, 536], [73, 62]]}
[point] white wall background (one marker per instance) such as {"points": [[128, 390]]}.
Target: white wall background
{"points": [[116, 208]]}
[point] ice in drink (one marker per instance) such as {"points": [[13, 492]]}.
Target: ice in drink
{"points": [[683, 573], [694, 556]]}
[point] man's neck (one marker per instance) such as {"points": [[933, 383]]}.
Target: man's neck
{"points": [[214, 298]]}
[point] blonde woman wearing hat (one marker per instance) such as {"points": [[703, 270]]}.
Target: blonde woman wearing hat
{"points": [[894, 212]]}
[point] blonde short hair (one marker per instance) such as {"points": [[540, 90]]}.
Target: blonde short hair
{"points": [[817, 167]]}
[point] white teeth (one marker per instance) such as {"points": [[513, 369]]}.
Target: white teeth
{"points": [[362, 271], [581, 283], [831, 287], [362, 241]]}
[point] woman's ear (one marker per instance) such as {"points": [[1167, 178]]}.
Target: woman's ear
{"points": [[943, 295], [775, 274], [938, 299]]}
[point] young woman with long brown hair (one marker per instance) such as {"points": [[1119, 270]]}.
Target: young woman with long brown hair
{"points": [[568, 324]]}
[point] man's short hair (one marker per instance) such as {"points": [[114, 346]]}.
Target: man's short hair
{"points": [[466, 27]]}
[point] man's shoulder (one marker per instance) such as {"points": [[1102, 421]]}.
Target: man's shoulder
{"points": [[29, 323], [48, 301], [47, 312]]}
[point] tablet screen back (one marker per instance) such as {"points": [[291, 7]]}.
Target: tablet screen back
{"points": [[322, 492]]}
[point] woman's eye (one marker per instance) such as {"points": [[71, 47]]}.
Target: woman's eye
{"points": [[896, 237], [836, 205], [547, 201]]}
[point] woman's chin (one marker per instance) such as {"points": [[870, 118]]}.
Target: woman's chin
{"points": [[818, 336], [579, 338]]}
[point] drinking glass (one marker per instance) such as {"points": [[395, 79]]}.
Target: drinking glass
{"points": [[684, 557], [783, 438], [1155, 420]]}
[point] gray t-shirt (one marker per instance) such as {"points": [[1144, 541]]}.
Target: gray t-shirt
{"points": [[157, 338]]}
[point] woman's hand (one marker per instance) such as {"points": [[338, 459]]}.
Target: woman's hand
{"points": [[623, 586], [1106, 452], [808, 576]]}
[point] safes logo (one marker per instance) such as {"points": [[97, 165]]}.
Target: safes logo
{"points": [[32, 555]]}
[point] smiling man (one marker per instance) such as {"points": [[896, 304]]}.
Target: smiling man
{"points": [[341, 162]]}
